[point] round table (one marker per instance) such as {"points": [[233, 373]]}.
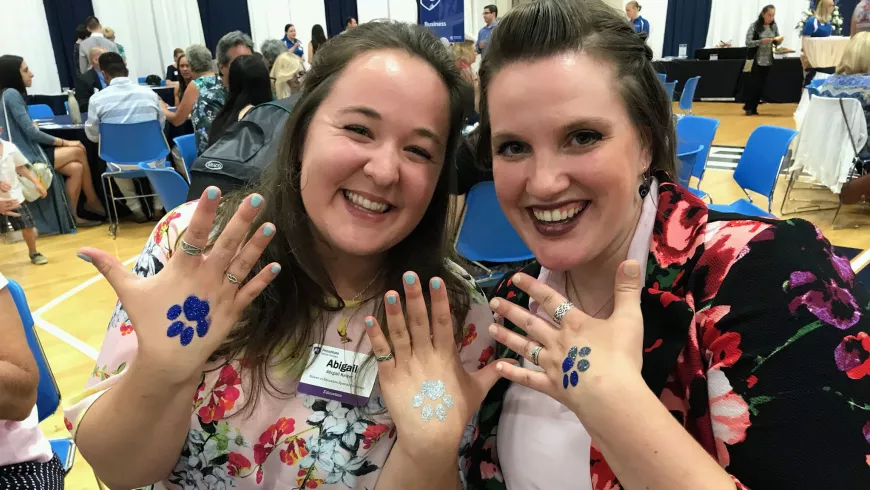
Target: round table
{"points": [[824, 52]]}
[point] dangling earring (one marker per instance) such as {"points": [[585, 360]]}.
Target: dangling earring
{"points": [[643, 189]]}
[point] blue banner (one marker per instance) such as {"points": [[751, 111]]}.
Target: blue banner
{"points": [[446, 18]]}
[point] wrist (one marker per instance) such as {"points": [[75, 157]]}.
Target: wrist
{"points": [[437, 461], [605, 396], [144, 371]]}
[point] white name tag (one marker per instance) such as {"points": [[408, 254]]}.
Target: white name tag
{"points": [[338, 374]]}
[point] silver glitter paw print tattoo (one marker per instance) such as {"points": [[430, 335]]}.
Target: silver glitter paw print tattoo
{"points": [[433, 391]]}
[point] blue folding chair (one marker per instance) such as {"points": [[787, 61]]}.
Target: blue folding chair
{"points": [[47, 392], [669, 89], [169, 185], [142, 80], [758, 169], [688, 96], [66, 106], [486, 235], [129, 144], [663, 77], [40, 111], [697, 130], [689, 157], [187, 147]]}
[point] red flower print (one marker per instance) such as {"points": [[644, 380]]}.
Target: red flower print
{"points": [[485, 357], [373, 434], [510, 294], [259, 475], [826, 300], [295, 451], [68, 424], [720, 254], [222, 397], [237, 463], [729, 414], [656, 345], [723, 350], [163, 228], [678, 242], [126, 328], [488, 471], [750, 381], [469, 334], [853, 356], [603, 477], [311, 483], [271, 437]]}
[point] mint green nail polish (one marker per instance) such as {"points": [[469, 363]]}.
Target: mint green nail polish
{"points": [[85, 258], [391, 299], [268, 230], [256, 200], [276, 269], [409, 279], [212, 193], [369, 323], [436, 283]]}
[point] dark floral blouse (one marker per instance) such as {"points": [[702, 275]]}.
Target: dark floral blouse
{"points": [[756, 338]]}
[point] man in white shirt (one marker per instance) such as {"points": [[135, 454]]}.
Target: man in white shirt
{"points": [[96, 40], [13, 164], [123, 102]]}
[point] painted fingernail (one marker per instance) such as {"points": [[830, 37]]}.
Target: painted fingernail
{"points": [[493, 330], [369, 323], [256, 200], [516, 279], [276, 269], [409, 279], [436, 283], [391, 299], [85, 258], [631, 268], [212, 193], [493, 304], [268, 230]]}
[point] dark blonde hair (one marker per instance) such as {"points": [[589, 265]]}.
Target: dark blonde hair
{"points": [[546, 28]]}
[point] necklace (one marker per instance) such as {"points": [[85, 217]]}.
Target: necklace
{"points": [[359, 295], [571, 282]]}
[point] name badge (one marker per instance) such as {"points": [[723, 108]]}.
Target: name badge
{"points": [[338, 374]]}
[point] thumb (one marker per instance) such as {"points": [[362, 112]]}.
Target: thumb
{"points": [[110, 267], [484, 379], [627, 289]]}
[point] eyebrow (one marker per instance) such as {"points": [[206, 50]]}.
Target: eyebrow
{"points": [[371, 113], [583, 123]]}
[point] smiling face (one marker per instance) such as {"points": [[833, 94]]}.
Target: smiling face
{"points": [[567, 159], [26, 75], [374, 151], [291, 33]]}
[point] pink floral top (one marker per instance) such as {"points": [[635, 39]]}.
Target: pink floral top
{"points": [[288, 443]]}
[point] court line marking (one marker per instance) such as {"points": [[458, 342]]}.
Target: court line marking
{"points": [[861, 261], [60, 333]]}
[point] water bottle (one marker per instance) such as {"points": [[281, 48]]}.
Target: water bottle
{"points": [[75, 113]]}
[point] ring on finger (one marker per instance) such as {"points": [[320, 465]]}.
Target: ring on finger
{"points": [[384, 358], [534, 355], [191, 249], [233, 279], [561, 311]]}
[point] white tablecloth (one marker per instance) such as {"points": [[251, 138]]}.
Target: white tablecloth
{"points": [[824, 52]]}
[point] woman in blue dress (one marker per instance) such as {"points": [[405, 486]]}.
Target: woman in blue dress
{"points": [[817, 25]]}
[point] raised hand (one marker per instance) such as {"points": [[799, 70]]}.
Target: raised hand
{"points": [[427, 391], [583, 355], [182, 314]]}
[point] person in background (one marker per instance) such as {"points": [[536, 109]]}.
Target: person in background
{"points": [[465, 56], [272, 49], [26, 459], [172, 70], [763, 36], [96, 40], [318, 38], [817, 25], [82, 33], [91, 81], [287, 75], [184, 78], [110, 35], [123, 102], [349, 23], [65, 156], [852, 78], [12, 165], [249, 86], [490, 17], [861, 18], [641, 25], [290, 42]]}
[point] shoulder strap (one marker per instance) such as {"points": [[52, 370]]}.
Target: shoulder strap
{"points": [[848, 127], [6, 115]]}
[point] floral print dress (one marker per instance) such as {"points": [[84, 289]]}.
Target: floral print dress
{"points": [[300, 442], [756, 338], [212, 96]]}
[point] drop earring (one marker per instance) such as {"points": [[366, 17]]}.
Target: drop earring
{"points": [[643, 189]]}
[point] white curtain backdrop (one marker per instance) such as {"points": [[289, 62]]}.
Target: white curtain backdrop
{"points": [[656, 12], [24, 32], [150, 30], [268, 18], [729, 20]]}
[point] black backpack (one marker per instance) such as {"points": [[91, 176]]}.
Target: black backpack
{"points": [[238, 157]]}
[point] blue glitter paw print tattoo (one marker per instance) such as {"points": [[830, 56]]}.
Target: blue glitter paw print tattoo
{"points": [[195, 310], [433, 390], [568, 365]]}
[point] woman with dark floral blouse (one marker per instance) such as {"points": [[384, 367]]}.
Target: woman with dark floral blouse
{"points": [[661, 345]]}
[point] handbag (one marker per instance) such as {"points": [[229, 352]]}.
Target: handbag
{"points": [[41, 170], [856, 190]]}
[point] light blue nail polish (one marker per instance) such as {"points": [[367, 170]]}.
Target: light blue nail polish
{"points": [[256, 200], [212, 193], [409, 279], [268, 230], [85, 258], [436, 283], [369, 323], [276, 269], [391, 299]]}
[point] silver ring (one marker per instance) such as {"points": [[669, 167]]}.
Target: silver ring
{"points": [[384, 358], [233, 279], [191, 249], [534, 355], [561, 311]]}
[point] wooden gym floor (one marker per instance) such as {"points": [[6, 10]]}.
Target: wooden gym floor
{"points": [[72, 304]]}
